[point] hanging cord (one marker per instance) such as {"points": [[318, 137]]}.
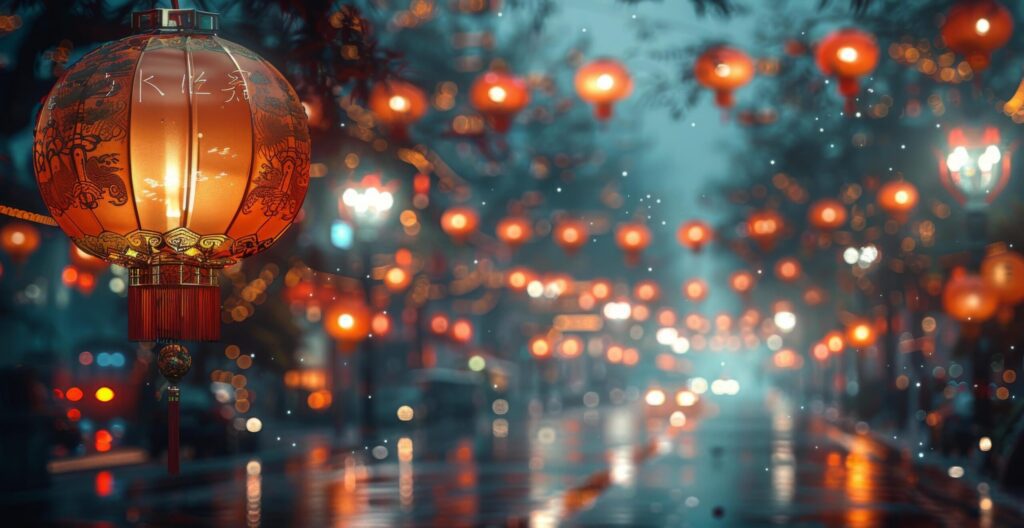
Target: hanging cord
{"points": [[22, 214]]}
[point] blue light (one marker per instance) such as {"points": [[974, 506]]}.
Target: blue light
{"points": [[103, 359], [117, 359], [341, 234]]}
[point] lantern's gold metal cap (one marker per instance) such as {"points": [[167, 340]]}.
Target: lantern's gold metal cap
{"points": [[169, 20]]}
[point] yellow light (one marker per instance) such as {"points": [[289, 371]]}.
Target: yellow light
{"points": [[172, 193], [847, 54], [104, 394], [458, 220], [901, 197], [985, 444], [398, 103], [982, 26], [605, 82], [655, 397], [405, 413], [497, 94], [723, 70], [346, 321]]}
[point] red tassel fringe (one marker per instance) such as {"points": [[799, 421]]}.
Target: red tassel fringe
{"points": [[173, 302]]}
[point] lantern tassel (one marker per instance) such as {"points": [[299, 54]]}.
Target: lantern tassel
{"points": [[173, 415]]}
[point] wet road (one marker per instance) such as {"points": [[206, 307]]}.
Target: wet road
{"points": [[743, 463]]}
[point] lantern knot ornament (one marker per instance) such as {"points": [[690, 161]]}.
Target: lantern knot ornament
{"points": [[173, 153], [976, 168], [603, 83], [723, 69], [976, 28], [848, 54]]}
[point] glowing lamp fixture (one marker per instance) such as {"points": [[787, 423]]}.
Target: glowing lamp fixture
{"points": [[976, 168]]}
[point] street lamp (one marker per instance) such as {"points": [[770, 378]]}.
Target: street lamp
{"points": [[976, 167], [369, 201]]}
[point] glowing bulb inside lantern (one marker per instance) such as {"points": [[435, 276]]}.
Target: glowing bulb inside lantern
{"points": [[346, 321], [901, 197], [172, 193], [828, 214], [632, 238], [18, 238], [497, 94], [695, 234], [861, 333], [514, 232], [398, 103], [982, 26], [459, 221], [570, 235], [723, 70], [847, 54], [605, 82]]}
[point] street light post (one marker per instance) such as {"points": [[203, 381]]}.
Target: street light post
{"points": [[368, 202], [975, 170]]}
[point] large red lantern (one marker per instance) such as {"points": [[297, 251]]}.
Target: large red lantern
{"points": [[499, 96], [1003, 270], [897, 198], [174, 153], [848, 54], [694, 235], [827, 214], [459, 223], [397, 105], [968, 298], [19, 240], [571, 235], [764, 227], [514, 230], [724, 70], [603, 83], [976, 28]]}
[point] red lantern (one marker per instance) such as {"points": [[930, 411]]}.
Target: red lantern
{"points": [[976, 28], [1003, 270], [724, 70], [462, 331], [571, 235], [459, 223], [348, 322], [601, 289], [646, 291], [897, 198], [764, 227], [827, 214], [742, 282], [380, 324], [499, 96], [603, 83], [968, 298], [518, 279], [695, 290], [787, 269], [633, 239], [439, 324], [540, 347], [848, 54], [174, 153], [570, 347], [834, 342], [860, 334], [397, 279], [19, 240], [514, 230], [694, 235], [397, 105]]}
